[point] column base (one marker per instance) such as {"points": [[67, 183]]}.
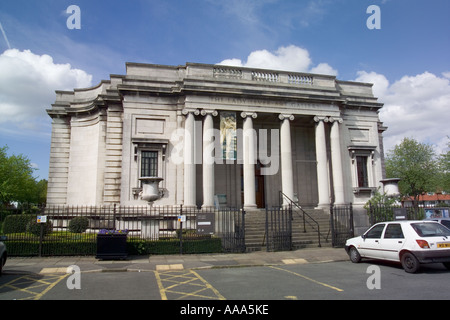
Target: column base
{"points": [[340, 204], [323, 206], [250, 206]]}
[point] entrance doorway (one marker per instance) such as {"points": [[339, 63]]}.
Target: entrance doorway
{"points": [[260, 194], [259, 187]]}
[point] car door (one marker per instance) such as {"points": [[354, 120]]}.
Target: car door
{"points": [[370, 246], [392, 242]]}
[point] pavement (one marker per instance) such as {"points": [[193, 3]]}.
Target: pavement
{"points": [[173, 262]]}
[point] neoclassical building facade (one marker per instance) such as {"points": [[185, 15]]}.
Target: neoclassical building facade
{"points": [[215, 135]]}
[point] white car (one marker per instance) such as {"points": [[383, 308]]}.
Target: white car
{"points": [[3, 254], [409, 242]]}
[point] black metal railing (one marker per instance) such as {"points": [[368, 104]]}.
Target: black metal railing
{"points": [[306, 218], [72, 230], [386, 212], [231, 229], [279, 229], [341, 224]]}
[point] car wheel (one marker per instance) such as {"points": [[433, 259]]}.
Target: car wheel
{"points": [[447, 265], [355, 257], [410, 263]]}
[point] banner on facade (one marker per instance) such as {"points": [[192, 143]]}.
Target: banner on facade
{"points": [[228, 135]]}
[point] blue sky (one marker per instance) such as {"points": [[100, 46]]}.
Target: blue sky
{"points": [[408, 59]]}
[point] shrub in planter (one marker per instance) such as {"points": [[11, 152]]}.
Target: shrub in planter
{"points": [[78, 224], [35, 228]]}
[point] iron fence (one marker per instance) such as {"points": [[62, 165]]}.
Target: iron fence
{"points": [[279, 228], [231, 230], [341, 224], [72, 230], [383, 212]]}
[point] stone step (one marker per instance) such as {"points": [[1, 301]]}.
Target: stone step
{"points": [[255, 228]]}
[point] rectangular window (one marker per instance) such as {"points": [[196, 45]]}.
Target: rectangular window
{"points": [[361, 166], [375, 232], [394, 231], [149, 164]]}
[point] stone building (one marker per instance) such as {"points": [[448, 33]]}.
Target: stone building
{"points": [[216, 134]]}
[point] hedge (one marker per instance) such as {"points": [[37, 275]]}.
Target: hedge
{"points": [[17, 223], [212, 245], [50, 248], [135, 247]]}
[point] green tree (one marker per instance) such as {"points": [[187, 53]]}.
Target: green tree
{"points": [[416, 165], [17, 182], [443, 179]]}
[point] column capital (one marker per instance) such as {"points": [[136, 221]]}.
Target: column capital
{"points": [[189, 110], [321, 118], [337, 120], [245, 114], [289, 117], [214, 113]]}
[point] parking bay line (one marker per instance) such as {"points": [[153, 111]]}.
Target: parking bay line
{"points": [[308, 278]]}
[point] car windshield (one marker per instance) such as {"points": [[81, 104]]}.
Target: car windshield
{"points": [[430, 229]]}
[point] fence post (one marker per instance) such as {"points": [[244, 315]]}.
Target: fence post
{"points": [[41, 236], [333, 231], [181, 231], [370, 213], [266, 235], [114, 217], [242, 233], [352, 225]]}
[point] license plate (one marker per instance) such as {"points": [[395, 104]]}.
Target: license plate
{"points": [[443, 245]]}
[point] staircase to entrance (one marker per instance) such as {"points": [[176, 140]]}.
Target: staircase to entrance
{"points": [[304, 232]]}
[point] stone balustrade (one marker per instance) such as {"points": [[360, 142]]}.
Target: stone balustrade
{"points": [[263, 76]]}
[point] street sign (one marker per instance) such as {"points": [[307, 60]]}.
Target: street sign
{"points": [[400, 214], [41, 219], [182, 218]]}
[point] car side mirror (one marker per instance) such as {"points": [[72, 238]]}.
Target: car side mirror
{"points": [[363, 236]]}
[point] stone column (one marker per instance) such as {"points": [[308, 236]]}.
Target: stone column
{"points": [[287, 173], [323, 183], [189, 159], [208, 158], [249, 136], [336, 158]]}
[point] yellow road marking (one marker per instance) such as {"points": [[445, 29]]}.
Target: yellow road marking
{"points": [[40, 295], [162, 291], [31, 285], [308, 278], [185, 284], [209, 286]]}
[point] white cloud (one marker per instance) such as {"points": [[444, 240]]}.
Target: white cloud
{"points": [[324, 68], [380, 82], [290, 58], [27, 88], [414, 106]]}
